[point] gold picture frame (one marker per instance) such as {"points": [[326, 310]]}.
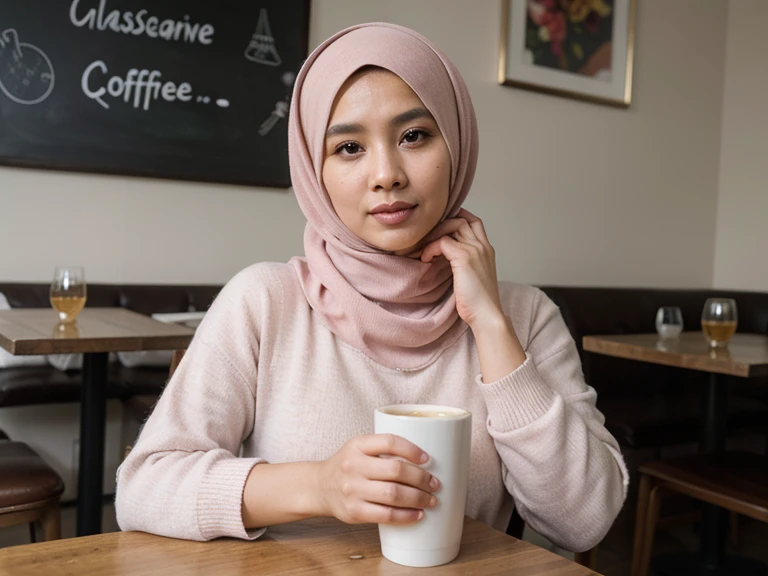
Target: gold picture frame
{"points": [[523, 23]]}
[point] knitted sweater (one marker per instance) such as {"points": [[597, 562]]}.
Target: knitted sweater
{"points": [[265, 381]]}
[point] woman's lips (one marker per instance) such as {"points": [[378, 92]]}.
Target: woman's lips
{"points": [[396, 217]]}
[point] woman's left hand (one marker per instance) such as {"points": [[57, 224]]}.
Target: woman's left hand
{"points": [[473, 261]]}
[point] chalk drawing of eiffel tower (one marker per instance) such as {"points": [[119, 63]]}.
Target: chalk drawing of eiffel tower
{"points": [[262, 49]]}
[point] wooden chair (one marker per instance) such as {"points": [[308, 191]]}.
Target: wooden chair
{"points": [[176, 360], [737, 481], [517, 525], [29, 490]]}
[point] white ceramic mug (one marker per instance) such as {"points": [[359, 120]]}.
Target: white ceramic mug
{"points": [[446, 438]]}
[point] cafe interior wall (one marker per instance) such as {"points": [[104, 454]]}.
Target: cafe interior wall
{"points": [[571, 193], [742, 210]]}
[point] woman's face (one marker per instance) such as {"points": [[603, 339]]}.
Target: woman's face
{"points": [[386, 165]]}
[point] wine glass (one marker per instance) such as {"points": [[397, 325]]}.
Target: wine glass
{"points": [[669, 322], [718, 321], [68, 292]]}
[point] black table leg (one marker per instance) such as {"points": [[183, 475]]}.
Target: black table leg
{"points": [[93, 401], [712, 559], [714, 414]]}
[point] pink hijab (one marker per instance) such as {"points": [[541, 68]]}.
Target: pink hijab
{"points": [[399, 311]]}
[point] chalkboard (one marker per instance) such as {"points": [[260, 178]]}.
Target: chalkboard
{"points": [[188, 89]]}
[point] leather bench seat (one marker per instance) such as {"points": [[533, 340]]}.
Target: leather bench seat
{"points": [[27, 386], [140, 380], [44, 385], [25, 477]]}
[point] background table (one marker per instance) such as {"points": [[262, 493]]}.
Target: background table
{"points": [[746, 356], [97, 332], [317, 546]]}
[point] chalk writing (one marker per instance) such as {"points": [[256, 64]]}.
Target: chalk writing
{"points": [[138, 23], [139, 88]]}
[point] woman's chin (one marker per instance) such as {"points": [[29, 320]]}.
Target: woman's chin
{"points": [[406, 250], [412, 252], [396, 246]]}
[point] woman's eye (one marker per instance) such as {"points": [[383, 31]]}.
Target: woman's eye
{"points": [[348, 148], [413, 136]]}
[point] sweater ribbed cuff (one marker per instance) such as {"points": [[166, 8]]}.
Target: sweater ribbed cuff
{"points": [[220, 500], [517, 399]]}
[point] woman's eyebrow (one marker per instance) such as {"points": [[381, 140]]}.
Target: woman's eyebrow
{"points": [[337, 129], [410, 115], [404, 118]]}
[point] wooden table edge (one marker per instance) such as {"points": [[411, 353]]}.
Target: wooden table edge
{"points": [[82, 345], [8, 345], [601, 344]]}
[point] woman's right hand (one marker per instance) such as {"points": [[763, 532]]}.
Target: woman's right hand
{"points": [[356, 486]]}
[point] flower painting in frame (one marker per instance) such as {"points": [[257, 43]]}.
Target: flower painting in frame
{"points": [[577, 48]]}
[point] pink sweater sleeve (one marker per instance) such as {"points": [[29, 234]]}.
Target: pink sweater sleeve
{"points": [[183, 478], [563, 468]]}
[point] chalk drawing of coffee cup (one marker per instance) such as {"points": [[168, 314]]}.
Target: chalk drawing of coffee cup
{"points": [[26, 72]]}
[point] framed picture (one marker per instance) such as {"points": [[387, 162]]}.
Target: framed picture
{"points": [[576, 48]]}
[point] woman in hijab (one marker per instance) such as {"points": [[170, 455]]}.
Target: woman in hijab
{"points": [[268, 418]]}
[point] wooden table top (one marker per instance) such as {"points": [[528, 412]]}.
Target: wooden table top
{"points": [[318, 546], [26, 331], [746, 355]]}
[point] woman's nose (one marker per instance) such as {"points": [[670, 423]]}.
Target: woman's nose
{"points": [[386, 170]]}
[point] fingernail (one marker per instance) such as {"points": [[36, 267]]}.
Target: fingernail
{"points": [[424, 457], [420, 515], [432, 502], [434, 483]]}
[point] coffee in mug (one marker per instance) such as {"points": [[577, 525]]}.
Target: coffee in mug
{"points": [[417, 413]]}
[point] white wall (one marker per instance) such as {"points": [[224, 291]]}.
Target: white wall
{"points": [[572, 193], [742, 216], [137, 230]]}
